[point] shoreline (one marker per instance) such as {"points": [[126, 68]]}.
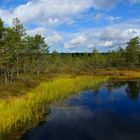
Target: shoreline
{"points": [[34, 100], [28, 83], [29, 108]]}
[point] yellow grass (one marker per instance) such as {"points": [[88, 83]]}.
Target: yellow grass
{"points": [[119, 74], [28, 108]]}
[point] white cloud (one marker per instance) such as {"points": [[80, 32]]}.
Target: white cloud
{"points": [[101, 16], [76, 42], [40, 30], [134, 1], [104, 3], [6, 16], [54, 39], [104, 38], [106, 43], [53, 11], [113, 18], [47, 13]]}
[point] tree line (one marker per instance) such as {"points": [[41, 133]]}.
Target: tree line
{"points": [[21, 53], [121, 58]]}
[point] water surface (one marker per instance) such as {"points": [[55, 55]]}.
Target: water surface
{"points": [[111, 112]]}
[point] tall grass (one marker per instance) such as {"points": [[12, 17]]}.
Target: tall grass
{"points": [[28, 108]]}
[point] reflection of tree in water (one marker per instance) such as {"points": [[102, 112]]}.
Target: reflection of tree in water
{"points": [[115, 85], [96, 90], [133, 89]]}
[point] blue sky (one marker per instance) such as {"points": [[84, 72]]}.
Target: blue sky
{"points": [[77, 25]]}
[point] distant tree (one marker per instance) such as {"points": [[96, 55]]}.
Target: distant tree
{"points": [[121, 58], [1, 41], [39, 47], [116, 58], [132, 52], [18, 36], [7, 54], [95, 56], [18, 52], [23, 54], [36, 48], [2, 29]]}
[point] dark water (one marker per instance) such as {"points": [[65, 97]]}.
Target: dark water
{"points": [[110, 113]]}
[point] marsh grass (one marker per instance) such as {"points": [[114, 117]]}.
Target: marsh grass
{"points": [[29, 108], [120, 74]]}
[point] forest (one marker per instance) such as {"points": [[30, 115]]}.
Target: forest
{"points": [[69, 69], [23, 54], [32, 78]]}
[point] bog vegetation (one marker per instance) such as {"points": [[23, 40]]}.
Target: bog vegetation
{"points": [[29, 108], [24, 54]]}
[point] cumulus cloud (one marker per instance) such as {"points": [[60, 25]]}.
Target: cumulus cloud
{"points": [[106, 43], [55, 38], [110, 19], [76, 42], [113, 19], [6, 16], [40, 30], [52, 38], [134, 1], [48, 13], [53, 11], [103, 39], [113, 37], [104, 3]]}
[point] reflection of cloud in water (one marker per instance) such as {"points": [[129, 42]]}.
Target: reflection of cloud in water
{"points": [[70, 112], [104, 115]]}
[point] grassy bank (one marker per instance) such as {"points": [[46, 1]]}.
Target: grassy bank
{"points": [[23, 84], [118, 74], [27, 108], [27, 82]]}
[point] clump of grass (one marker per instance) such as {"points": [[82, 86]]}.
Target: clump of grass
{"points": [[128, 74], [28, 108], [120, 74]]}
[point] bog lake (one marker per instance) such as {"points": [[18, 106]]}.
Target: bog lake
{"points": [[111, 112]]}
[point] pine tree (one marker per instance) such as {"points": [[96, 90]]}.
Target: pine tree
{"points": [[132, 52]]}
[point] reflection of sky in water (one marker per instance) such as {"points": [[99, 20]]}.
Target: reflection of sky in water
{"points": [[110, 113]]}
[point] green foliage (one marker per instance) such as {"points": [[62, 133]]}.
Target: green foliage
{"points": [[133, 52], [29, 108], [18, 52]]}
